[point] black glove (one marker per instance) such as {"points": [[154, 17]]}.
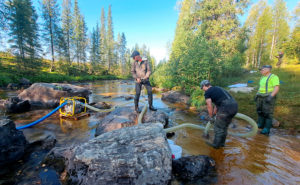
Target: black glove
{"points": [[269, 99], [212, 119]]}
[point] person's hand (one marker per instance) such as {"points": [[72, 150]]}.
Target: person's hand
{"points": [[138, 80], [212, 119], [269, 99]]}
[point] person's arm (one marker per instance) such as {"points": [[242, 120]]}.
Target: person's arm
{"points": [[209, 107], [276, 90], [215, 110], [148, 70], [133, 72]]}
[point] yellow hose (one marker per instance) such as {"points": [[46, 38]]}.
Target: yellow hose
{"points": [[207, 128]]}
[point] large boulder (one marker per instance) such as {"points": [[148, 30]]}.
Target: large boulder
{"points": [[126, 117], [118, 118], [131, 155], [194, 168], [175, 97], [12, 144], [47, 95], [15, 105]]}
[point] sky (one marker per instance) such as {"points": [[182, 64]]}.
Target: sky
{"points": [[149, 22]]}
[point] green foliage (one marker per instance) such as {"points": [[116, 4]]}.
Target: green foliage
{"points": [[197, 98], [23, 30]]}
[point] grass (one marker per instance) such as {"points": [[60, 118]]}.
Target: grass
{"points": [[287, 108], [9, 73]]}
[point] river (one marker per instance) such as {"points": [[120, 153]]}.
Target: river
{"points": [[255, 160]]}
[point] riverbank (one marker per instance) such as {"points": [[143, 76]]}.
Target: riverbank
{"points": [[11, 72], [287, 108]]}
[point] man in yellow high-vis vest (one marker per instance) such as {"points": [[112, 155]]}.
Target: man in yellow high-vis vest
{"points": [[265, 98]]}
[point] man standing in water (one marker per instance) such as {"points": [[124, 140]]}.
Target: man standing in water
{"points": [[265, 98], [141, 72], [225, 109]]}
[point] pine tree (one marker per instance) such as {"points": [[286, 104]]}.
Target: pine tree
{"points": [[67, 27], [51, 25], [3, 16], [23, 29]]}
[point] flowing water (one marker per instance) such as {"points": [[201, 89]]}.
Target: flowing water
{"points": [[255, 160]]}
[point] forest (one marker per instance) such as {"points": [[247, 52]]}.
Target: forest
{"points": [[210, 42], [60, 47]]}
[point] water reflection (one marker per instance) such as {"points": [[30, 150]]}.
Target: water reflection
{"points": [[256, 160]]}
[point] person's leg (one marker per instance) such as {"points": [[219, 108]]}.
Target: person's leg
{"points": [[138, 87], [150, 96], [223, 119], [260, 114], [268, 109]]}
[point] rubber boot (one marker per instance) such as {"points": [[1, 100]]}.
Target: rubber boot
{"points": [[219, 142], [150, 101], [260, 122], [268, 125], [136, 106]]}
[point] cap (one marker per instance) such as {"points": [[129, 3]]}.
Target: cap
{"points": [[204, 83], [144, 58], [265, 66], [135, 53]]}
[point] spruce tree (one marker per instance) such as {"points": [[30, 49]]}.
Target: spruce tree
{"points": [[110, 41], [67, 28], [51, 26], [103, 45], [23, 30]]}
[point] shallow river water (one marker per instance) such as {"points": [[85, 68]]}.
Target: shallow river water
{"points": [[255, 160]]}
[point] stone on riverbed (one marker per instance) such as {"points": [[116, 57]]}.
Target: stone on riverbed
{"points": [[131, 155], [126, 117], [194, 169], [15, 105], [12, 144], [175, 97], [47, 95]]}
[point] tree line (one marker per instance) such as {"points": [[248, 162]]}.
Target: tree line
{"points": [[210, 43], [64, 36]]}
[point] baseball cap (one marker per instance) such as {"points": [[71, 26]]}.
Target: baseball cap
{"points": [[134, 53], [265, 66]]}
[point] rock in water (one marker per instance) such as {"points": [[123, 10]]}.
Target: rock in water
{"points": [[12, 144], [133, 155], [193, 168], [47, 95], [175, 97]]}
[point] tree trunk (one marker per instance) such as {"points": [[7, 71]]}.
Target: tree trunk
{"points": [[260, 52], [52, 45], [273, 40]]}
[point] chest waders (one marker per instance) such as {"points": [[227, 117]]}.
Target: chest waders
{"points": [[264, 110]]}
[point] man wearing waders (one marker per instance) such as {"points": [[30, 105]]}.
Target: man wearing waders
{"points": [[265, 98], [225, 109], [141, 71]]}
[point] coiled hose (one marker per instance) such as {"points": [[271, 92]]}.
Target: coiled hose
{"points": [[208, 126]]}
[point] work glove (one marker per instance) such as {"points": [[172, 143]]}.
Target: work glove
{"points": [[269, 99], [212, 120]]}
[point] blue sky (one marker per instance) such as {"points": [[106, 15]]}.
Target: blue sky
{"points": [[149, 22]]}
